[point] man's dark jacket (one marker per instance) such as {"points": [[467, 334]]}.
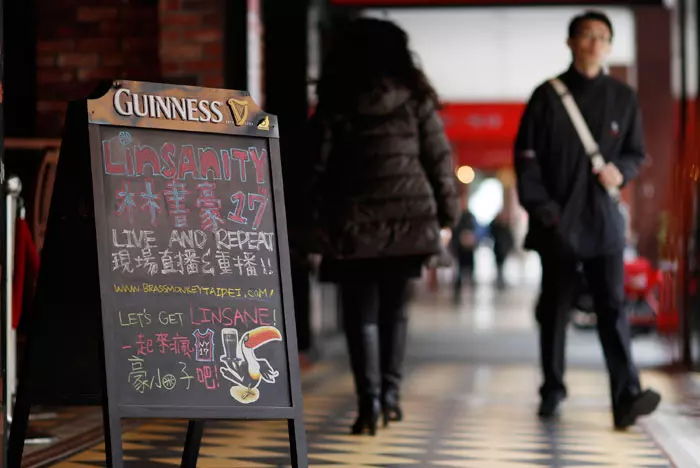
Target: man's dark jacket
{"points": [[571, 214]]}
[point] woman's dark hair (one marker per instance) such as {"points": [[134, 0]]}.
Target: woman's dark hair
{"points": [[365, 52]]}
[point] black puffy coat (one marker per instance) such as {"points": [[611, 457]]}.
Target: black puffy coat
{"points": [[382, 182]]}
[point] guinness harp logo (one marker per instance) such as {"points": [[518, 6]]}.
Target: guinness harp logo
{"points": [[239, 110], [264, 124]]}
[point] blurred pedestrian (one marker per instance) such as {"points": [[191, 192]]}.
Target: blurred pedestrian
{"points": [[580, 141], [502, 235], [381, 186], [464, 244]]}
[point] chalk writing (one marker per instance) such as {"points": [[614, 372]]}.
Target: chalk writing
{"points": [[121, 260], [126, 202], [244, 240], [168, 381], [204, 345], [194, 264], [176, 194], [188, 253], [203, 167], [145, 346], [164, 343], [230, 317], [184, 375], [130, 238], [131, 319], [260, 293], [209, 207], [190, 262], [192, 221], [170, 318], [188, 239], [224, 261], [209, 376], [129, 159], [238, 200], [147, 262], [236, 293], [247, 263], [222, 240], [267, 269], [209, 204], [256, 204], [171, 264], [182, 345], [138, 377], [192, 290], [151, 205]]}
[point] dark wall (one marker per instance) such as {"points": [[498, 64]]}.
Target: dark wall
{"points": [[236, 45], [20, 67], [285, 80]]}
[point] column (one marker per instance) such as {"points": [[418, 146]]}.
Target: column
{"points": [[653, 26], [285, 65]]}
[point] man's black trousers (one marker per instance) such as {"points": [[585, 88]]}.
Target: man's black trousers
{"points": [[560, 285]]}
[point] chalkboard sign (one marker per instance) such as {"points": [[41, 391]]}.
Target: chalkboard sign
{"points": [[186, 256]]}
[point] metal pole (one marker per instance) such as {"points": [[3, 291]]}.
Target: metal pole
{"points": [[3, 259], [694, 319], [682, 27], [685, 223], [13, 189]]}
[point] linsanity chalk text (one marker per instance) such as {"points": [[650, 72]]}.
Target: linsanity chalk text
{"points": [[169, 163]]}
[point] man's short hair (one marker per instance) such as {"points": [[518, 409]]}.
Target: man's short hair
{"points": [[590, 15]]}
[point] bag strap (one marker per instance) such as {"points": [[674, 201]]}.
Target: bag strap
{"points": [[584, 133]]}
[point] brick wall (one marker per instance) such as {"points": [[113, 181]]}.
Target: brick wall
{"points": [[191, 41], [82, 41]]}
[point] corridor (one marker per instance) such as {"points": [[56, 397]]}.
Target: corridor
{"points": [[470, 399]]}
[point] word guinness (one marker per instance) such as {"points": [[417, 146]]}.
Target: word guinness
{"points": [[171, 108]]}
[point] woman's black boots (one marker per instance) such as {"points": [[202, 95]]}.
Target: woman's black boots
{"points": [[363, 346], [393, 336]]}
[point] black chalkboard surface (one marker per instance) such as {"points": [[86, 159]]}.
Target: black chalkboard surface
{"points": [[190, 274], [169, 208]]}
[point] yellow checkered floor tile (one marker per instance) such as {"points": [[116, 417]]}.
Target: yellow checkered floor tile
{"points": [[457, 416]]}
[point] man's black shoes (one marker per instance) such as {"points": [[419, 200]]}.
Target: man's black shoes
{"points": [[641, 404], [549, 406]]}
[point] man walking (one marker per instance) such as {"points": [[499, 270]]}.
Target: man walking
{"points": [[569, 186]]}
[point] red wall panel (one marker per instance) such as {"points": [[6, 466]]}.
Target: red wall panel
{"points": [[482, 134]]}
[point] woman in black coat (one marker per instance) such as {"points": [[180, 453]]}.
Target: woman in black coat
{"points": [[381, 185]]}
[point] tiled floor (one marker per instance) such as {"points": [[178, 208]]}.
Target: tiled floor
{"points": [[470, 398], [448, 425]]}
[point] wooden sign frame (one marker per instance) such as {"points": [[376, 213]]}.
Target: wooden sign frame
{"points": [[80, 198]]}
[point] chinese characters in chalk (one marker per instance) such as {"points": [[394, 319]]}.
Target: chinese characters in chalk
{"points": [[167, 185], [200, 355], [190, 253]]}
